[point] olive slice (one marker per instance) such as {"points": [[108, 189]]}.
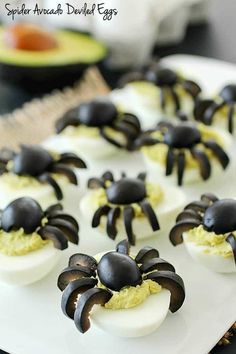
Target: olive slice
{"points": [[46, 178], [209, 197], [81, 259], [232, 241], [70, 158], [112, 218], [108, 176], [146, 253], [70, 118], [71, 292], [87, 300], [203, 162], [176, 233], [53, 208], [188, 214], [55, 235], [70, 274], [101, 211], [129, 216], [150, 215], [170, 160], [66, 171], [67, 228], [55, 215], [181, 162], [156, 264], [123, 247], [174, 283], [218, 152], [94, 183], [197, 206]]}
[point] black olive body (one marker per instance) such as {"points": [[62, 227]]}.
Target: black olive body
{"points": [[23, 213], [184, 135], [97, 113], [126, 191], [117, 270], [220, 217], [32, 160]]}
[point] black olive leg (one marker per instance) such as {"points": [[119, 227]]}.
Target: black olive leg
{"points": [[203, 162], [95, 183], [189, 214], [71, 293], [69, 119], [170, 161], [175, 98], [163, 98], [150, 214], [69, 158], [102, 211], [87, 300], [55, 235], [198, 205], [156, 264], [68, 228], [45, 177], [174, 283], [108, 176], [123, 247], [211, 111], [70, 274], [66, 171], [145, 254], [180, 167], [112, 218], [231, 118], [81, 259], [176, 233], [218, 152], [129, 215], [232, 241]]}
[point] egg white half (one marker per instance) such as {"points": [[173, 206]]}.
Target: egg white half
{"points": [[86, 147], [166, 211], [43, 194], [134, 322], [29, 268], [214, 262]]}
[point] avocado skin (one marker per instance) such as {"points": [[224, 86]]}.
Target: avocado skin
{"points": [[42, 78]]}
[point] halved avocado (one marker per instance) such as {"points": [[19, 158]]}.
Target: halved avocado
{"points": [[41, 71]]}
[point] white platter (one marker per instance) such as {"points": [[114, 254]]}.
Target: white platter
{"points": [[31, 321]]}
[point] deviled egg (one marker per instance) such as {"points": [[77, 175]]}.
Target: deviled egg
{"points": [[38, 173], [192, 152], [96, 129], [131, 206], [31, 240], [154, 92], [124, 288], [208, 230]]}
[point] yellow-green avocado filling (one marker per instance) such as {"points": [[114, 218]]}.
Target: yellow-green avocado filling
{"points": [[155, 195], [158, 152], [215, 244], [133, 296], [151, 91], [72, 48], [17, 243]]}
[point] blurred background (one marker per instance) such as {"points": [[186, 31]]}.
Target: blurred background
{"points": [[141, 29]]}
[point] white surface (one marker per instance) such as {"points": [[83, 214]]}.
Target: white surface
{"points": [[31, 320], [127, 323]]}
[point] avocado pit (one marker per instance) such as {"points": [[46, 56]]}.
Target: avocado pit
{"points": [[29, 37]]}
